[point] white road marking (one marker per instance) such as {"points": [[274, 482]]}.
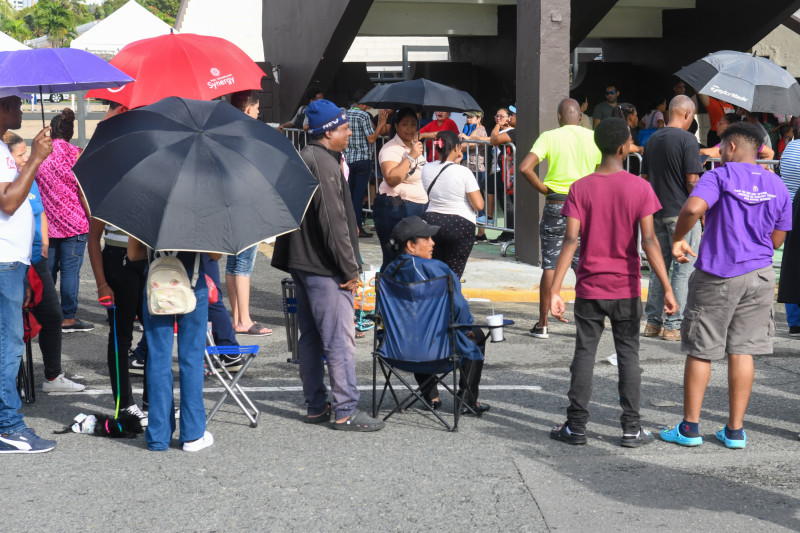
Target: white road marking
{"points": [[98, 392]]}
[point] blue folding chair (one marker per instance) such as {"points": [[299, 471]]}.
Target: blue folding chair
{"points": [[415, 333]]}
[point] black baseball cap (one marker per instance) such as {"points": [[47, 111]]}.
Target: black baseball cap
{"points": [[412, 228]]}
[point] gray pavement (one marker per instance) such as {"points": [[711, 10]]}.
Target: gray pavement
{"points": [[500, 472]]}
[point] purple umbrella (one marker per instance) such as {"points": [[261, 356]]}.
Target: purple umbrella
{"points": [[56, 70]]}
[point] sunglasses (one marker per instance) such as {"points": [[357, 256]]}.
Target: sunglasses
{"points": [[501, 116], [610, 92]]}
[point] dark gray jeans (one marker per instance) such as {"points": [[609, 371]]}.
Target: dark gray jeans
{"points": [[590, 315], [325, 318]]}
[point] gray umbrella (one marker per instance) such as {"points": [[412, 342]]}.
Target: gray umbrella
{"points": [[751, 82]]}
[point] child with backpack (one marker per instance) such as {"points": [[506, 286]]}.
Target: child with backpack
{"points": [[605, 209]]}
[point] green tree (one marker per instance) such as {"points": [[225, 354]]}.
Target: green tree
{"points": [[56, 19], [16, 28], [7, 10]]}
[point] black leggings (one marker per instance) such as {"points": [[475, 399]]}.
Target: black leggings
{"points": [[48, 314], [453, 241], [126, 279]]}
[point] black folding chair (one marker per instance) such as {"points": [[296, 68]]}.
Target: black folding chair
{"points": [[415, 333]]}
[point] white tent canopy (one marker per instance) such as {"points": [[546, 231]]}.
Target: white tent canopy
{"points": [[127, 24], [9, 44], [239, 22]]}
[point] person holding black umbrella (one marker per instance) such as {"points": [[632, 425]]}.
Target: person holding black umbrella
{"points": [[401, 193], [324, 261]]}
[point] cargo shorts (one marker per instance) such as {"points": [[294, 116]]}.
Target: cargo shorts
{"points": [[729, 315]]}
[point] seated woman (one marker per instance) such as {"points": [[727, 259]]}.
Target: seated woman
{"points": [[412, 241]]}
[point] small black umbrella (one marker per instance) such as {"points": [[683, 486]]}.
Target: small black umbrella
{"points": [[751, 82], [192, 175], [421, 94]]}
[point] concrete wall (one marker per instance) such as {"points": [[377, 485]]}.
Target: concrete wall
{"points": [[782, 46]]}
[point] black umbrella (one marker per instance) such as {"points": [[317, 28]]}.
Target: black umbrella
{"points": [[421, 94], [192, 175], [751, 82]]}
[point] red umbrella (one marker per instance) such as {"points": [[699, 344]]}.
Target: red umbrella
{"points": [[193, 66]]}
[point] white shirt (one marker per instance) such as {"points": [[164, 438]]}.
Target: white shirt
{"points": [[449, 194], [16, 231]]}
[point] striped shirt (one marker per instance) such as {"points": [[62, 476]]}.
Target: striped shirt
{"points": [[359, 148], [790, 166], [115, 237]]}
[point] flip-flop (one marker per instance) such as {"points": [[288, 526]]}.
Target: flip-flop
{"points": [[256, 331]]}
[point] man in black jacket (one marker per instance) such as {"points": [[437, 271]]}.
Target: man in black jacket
{"points": [[324, 261]]}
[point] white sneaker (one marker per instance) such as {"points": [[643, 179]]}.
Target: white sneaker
{"points": [[61, 384], [134, 410], [199, 444]]}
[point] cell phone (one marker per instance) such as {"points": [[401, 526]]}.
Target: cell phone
{"points": [[704, 158]]}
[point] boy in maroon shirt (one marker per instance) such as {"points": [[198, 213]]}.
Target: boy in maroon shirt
{"points": [[606, 208]]}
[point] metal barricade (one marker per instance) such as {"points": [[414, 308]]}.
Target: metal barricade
{"points": [[633, 155], [288, 290], [297, 136]]}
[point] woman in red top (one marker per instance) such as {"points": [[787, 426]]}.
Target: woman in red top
{"points": [[442, 122]]}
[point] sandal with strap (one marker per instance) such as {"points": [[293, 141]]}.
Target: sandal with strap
{"points": [[359, 421]]}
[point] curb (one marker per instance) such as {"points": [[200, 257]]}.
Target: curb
{"points": [[521, 296]]}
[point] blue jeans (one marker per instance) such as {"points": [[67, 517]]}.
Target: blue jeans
{"points": [[325, 318], [665, 229], [242, 263], [360, 173], [221, 326], [66, 256], [191, 350], [793, 315], [387, 211], [12, 295]]}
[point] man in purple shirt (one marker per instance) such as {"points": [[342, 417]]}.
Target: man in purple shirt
{"points": [[729, 309]]}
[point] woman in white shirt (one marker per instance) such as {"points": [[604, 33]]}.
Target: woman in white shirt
{"points": [[453, 199]]}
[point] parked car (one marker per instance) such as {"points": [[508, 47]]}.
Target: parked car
{"points": [[53, 97]]}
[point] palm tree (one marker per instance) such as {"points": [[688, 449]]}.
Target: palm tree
{"points": [[6, 10], [16, 28], [55, 19]]}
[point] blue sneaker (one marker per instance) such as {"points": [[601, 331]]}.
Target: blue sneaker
{"points": [[24, 441], [731, 443], [674, 435], [482, 220]]}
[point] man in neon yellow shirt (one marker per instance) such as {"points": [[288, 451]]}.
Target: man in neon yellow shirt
{"points": [[571, 154]]}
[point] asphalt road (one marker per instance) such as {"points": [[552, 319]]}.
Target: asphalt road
{"points": [[497, 473]]}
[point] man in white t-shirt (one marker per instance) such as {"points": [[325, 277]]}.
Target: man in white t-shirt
{"points": [[16, 240]]}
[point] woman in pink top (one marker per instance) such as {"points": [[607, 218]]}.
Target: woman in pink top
{"points": [[401, 193], [67, 214]]}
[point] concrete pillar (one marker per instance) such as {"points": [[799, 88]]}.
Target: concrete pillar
{"points": [[542, 82]]}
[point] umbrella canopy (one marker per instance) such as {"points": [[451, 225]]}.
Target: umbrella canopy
{"points": [[421, 94], [751, 82], [193, 66], [193, 175], [55, 70]]}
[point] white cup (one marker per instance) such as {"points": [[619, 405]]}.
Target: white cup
{"points": [[497, 333]]}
